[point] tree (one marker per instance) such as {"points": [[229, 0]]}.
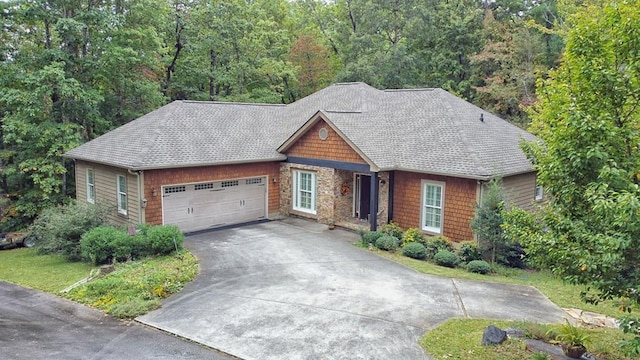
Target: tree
{"points": [[589, 160], [488, 219]]}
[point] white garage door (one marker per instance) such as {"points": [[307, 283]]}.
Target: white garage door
{"points": [[208, 205]]}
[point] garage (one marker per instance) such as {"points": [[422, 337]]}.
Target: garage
{"points": [[208, 205]]}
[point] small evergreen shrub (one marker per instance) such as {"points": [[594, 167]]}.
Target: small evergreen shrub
{"points": [[165, 239], [388, 243], [413, 235], [469, 251], [414, 250], [98, 245], [435, 244], [370, 237], [479, 267], [392, 229], [446, 258]]}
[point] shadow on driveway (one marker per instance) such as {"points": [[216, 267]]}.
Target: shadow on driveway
{"points": [[293, 290]]}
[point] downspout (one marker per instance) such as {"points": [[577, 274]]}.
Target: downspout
{"points": [[373, 203], [142, 201]]}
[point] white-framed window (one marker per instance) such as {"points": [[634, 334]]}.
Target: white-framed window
{"points": [[122, 194], [91, 187], [432, 206], [304, 191], [539, 193]]}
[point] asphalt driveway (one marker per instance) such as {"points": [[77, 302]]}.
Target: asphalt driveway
{"points": [[293, 290]]}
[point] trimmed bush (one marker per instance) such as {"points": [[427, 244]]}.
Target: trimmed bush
{"points": [[370, 237], [388, 243], [446, 258], [435, 244], [392, 229], [469, 251], [479, 267], [414, 250], [100, 244], [413, 235], [165, 239]]}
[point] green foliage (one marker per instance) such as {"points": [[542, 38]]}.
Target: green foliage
{"points": [[479, 267], [388, 243], [135, 288], [58, 230], [370, 237], [414, 250], [630, 325], [435, 244], [165, 239], [100, 244], [392, 229], [588, 160], [413, 235], [469, 251], [446, 258], [570, 335]]}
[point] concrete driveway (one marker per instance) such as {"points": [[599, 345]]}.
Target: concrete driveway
{"points": [[293, 290]]}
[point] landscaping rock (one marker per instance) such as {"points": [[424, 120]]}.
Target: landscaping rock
{"points": [[493, 336], [515, 333], [553, 351]]}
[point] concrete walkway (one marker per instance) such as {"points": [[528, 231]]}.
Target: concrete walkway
{"points": [[292, 289]]}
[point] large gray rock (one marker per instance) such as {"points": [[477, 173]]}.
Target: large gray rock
{"points": [[493, 336]]}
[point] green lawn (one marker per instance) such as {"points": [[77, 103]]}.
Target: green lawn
{"points": [[50, 273]]}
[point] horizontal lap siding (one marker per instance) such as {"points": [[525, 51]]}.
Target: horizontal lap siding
{"points": [[519, 190], [333, 148], [155, 179], [459, 203], [105, 178]]}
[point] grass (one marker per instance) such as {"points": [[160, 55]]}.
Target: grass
{"points": [[50, 273], [460, 339], [137, 287]]}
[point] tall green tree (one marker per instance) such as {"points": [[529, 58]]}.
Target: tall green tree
{"points": [[589, 160]]}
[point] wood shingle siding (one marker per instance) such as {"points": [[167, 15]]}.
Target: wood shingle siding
{"points": [[105, 180], [332, 148]]}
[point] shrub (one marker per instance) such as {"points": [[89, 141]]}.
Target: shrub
{"points": [[414, 250], [165, 239], [479, 267], [392, 229], [435, 244], [469, 251], [370, 237], [100, 245], [413, 235], [446, 258], [387, 242], [58, 230]]}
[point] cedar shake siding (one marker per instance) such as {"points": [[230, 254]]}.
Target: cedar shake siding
{"points": [[154, 180], [332, 148], [105, 189], [459, 203]]}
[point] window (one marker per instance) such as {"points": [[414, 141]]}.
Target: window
{"points": [[91, 190], [432, 195], [122, 194], [304, 191], [539, 193]]}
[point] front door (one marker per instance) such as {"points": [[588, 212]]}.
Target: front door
{"points": [[363, 199]]}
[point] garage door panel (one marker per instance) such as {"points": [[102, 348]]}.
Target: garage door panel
{"points": [[206, 205]]}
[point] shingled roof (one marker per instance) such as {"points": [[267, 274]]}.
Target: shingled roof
{"points": [[422, 130]]}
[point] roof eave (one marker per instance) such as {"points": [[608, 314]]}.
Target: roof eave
{"points": [[178, 166], [479, 177]]}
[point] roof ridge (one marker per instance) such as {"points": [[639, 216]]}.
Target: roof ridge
{"points": [[409, 90], [228, 103]]}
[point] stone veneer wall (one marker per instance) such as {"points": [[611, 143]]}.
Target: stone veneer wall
{"points": [[331, 203]]}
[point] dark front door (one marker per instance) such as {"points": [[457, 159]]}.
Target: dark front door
{"points": [[364, 200]]}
